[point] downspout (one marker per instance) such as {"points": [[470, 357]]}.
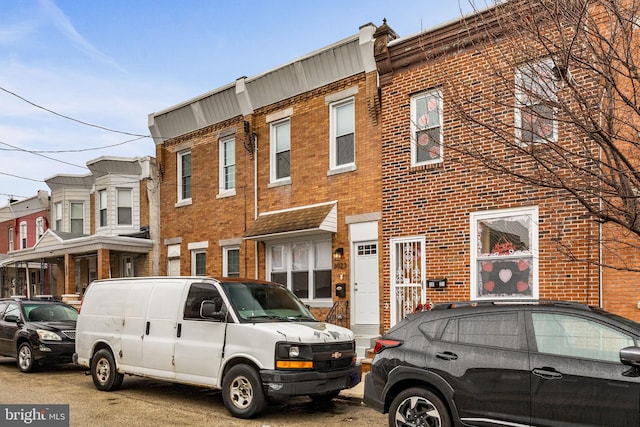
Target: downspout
{"points": [[255, 198]]}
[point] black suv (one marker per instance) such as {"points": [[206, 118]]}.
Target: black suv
{"points": [[542, 363], [37, 331]]}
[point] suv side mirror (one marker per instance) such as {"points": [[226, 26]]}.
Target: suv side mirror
{"points": [[630, 356], [12, 318]]}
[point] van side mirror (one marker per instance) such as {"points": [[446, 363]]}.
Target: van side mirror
{"points": [[630, 356], [213, 310]]}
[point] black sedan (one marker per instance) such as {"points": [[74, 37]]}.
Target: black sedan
{"points": [[37, 331]]}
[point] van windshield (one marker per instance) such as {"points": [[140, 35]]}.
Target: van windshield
{"points": [[264, 302]]}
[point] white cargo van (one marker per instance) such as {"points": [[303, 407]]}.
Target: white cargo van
{"points": [[252, 339]]}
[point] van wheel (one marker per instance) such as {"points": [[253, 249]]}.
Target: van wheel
{"points": [[418, 407], [25, 358], [103, 371], [242, 392]]}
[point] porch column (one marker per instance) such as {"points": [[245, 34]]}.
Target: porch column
{"points": [[69, 274], [104, 264]]}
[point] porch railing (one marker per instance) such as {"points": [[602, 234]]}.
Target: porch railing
{"points": [[339, 314]]}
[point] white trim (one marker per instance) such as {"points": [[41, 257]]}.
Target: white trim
{"points": [[179, 155], [273, 172], [474, 218], [198, 245], [437, 93], [222, 177], [279, 115], [333, 124]]}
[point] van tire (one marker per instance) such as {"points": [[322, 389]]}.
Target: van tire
{"points": [[242, 392], [104, 372]]}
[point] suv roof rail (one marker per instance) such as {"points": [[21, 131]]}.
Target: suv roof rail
{"points": [[489, 303]]}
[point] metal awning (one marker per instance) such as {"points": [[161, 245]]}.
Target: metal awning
{"points": [[294, 222]]}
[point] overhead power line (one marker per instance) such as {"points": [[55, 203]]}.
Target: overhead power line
{"points": [[70, 118]]}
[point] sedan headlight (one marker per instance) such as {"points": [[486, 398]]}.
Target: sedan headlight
{"points": [[48, 335]]}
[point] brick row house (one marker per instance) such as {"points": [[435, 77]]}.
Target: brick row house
{"points": [[102, 225], [22, 224], [277, 177], [451, 228]]}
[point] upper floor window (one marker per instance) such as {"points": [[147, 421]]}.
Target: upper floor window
{"points": [[342, 133], [227, 165], [280, 150], [184, 176], [77, 218], [11, 239], [57, 215], [231, 261], [426, 128], [39, 227], [23, 235], [124, 206], [199, 262], [535, 90], [102, 208], [504, 253]]}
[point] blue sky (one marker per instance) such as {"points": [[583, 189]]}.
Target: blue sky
{"points": [[79, 78]]}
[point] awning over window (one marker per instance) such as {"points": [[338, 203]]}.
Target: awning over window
{"points": [[294, 222]]}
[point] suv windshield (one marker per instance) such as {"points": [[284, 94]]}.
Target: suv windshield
{"points": [[49, 313], [261, 302]]}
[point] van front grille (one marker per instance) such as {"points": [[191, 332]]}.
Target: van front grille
{"points": [[333, 356]]}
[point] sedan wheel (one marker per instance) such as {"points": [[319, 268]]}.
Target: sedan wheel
{"points": [[418, 407], [25, 358]]}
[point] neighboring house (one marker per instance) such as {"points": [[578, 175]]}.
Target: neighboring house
{"points": [[452, 230], [22, 225], [102, 224], [277, 176]]}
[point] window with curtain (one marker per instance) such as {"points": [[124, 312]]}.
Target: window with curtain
{"points": [[342, 133], [77, 218], [124, 206]]}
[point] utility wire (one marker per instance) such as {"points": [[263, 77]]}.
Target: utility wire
{"points": [[42, 155], [79, 150], [71, 118]]}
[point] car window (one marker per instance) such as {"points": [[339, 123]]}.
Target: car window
{"points": [[3, 305], [12, 309], [573, 336], [495, 330], [430, 329]]}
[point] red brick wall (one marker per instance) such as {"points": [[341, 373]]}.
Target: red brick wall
{"points": [[436, 202], [210, 219]]}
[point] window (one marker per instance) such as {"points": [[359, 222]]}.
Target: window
{"points": [[198, 293], [77, 218], [23, 235], [280, 150], [504, 254], [102, 208], [426, 128], [227, 165], [342, 133], [302, 266], [39, 227], [57, 215], [124, 206], [199, 263], [536, 87], [573, 336], [11, 239], [184, 176], [502, 330], [231, 262]]}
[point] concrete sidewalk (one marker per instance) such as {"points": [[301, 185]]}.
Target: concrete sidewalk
{"points": [[355, 393]]}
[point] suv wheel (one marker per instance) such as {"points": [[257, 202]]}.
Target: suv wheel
{"points": [[418, 407], [25, 358]]}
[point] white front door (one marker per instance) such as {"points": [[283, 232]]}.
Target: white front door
{"points": [[366, 297]]}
